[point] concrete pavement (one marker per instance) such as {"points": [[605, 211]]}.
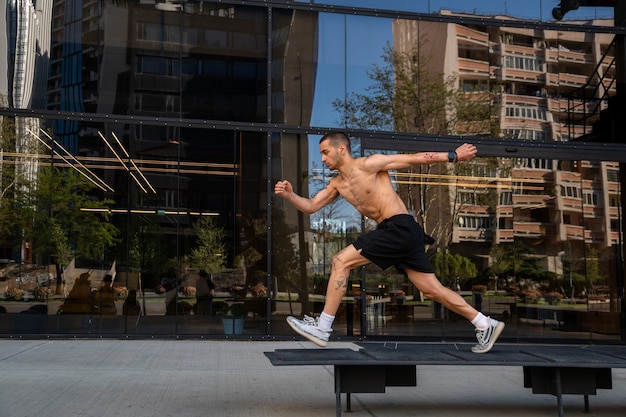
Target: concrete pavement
{"points": [[193, 378]]}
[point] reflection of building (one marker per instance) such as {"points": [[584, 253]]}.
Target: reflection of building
{"points": [[192, 60], [529, 74], [24, 58]]}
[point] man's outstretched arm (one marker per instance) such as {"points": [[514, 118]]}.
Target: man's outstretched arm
{"points": [[380, 162]]}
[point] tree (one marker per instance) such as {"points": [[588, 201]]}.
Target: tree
{"points": [[448, 267], [211, 250], [65, 221], [499, 262]]}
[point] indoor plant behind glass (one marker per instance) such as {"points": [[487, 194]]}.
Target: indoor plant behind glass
{"points": [[232, 318]]}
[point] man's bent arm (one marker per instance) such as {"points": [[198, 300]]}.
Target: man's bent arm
{"points": [[306, 205]]}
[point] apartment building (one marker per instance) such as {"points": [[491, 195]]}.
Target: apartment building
{"points": [[543, 85]]}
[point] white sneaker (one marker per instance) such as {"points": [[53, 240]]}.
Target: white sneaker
{"points": [[486, 338], [308, 327]]}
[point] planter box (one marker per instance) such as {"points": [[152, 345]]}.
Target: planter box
{"points": [[232, 325]]}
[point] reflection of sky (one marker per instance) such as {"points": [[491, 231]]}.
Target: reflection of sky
{"points": [[531, 9], [350, 45]]}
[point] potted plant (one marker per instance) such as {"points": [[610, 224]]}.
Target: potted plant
{"points": [[477, 296], [232, 318]]}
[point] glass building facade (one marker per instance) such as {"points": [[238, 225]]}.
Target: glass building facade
{"points": [[141, 141]]}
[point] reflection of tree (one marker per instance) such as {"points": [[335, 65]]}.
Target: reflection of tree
{"points": [[210, 252], [454, 266], [593, 266], [8, 177], [515, 260], [64, 219], [499, 262], [573, 266]]}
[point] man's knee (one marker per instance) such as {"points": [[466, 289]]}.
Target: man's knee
{"points": [[339, 264]]}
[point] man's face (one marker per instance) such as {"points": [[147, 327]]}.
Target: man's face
{"points": [[331, 156]]}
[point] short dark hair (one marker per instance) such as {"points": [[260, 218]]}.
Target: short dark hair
{"points": [[336, 139]]}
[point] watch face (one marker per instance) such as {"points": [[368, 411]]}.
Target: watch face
{"points": [[451, 156]]}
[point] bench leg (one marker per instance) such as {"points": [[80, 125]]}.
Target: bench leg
{"points": [[559, 392], [586, 404], [338, 391]]}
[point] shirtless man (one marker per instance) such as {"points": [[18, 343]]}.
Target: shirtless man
{"points": [[398, 239]]}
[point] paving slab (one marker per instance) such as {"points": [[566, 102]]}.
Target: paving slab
{"points": [[185, 378]]}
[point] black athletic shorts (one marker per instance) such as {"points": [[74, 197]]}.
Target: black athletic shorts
{"points": [[397, 241]]}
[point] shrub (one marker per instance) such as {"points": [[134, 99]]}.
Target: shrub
{"points": [[530, 296], [479, 288], [13, 293], [40, 294]]}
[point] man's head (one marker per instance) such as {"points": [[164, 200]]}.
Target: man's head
{"points": [[334, 147], [337, 139]]}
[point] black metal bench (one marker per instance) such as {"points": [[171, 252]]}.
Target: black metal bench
{"points": [[548, 369]]}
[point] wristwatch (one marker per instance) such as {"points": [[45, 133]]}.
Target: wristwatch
{"points": [[452, 157]]}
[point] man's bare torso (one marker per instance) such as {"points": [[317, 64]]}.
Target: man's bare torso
{"points": [[372, 194]]}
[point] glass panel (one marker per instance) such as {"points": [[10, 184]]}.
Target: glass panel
{"points": [[532, 9], [349, 47], [69, 190], [289, 235], [141, 58]]}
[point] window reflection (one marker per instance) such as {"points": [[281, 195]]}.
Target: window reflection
{"points": [[118, 181]]}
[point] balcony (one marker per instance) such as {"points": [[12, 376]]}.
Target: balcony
{"points": [[473, 67], [529, 229], [572, 106], [504, 211], [510, 99], [471, 35], [573, 232], [572, 80], [471, 234], [532, 200], [520, 50], [554, 55], [512, 74], [571, 204], [505, 235]]}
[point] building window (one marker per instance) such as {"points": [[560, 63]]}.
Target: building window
{"points": [[534, 163], [591, 199], [506, 198], [467, 198], [525, 134], [522, 63], [473, 223], [570, 191], [526, 112], [612, 175]]}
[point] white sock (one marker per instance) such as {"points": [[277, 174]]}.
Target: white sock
{"points": [[325, 322], [481, 322]]}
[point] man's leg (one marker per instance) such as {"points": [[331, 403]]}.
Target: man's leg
{"points": [[433, 290], [342, 263], [318, 331], [487, 329]]}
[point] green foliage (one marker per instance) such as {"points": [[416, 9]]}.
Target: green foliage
{"points": [[210, 252], [406, 95], [65, 220], [448, 266], [235, 310], [514, 260]]}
